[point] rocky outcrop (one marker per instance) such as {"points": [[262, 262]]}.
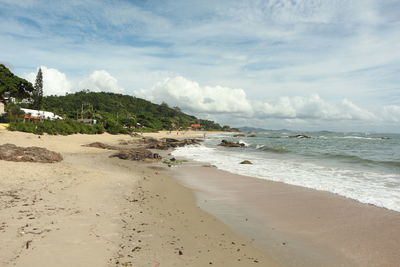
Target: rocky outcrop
{"points": [[252, 135], [12, 152], [299, 136], [136, 154], [128, 153], [239, 135], [246, 162], [167, 143], [227, 143]]}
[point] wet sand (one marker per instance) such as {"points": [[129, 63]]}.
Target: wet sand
{"points": [[299, 226]]}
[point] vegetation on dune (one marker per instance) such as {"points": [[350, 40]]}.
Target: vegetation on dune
{"points": [[113, 113], [56, 127]]}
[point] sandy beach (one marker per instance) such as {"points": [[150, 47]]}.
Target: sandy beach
{"points": [[91, 210]]}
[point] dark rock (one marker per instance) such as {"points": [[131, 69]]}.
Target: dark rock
{"points": [[246, 162], [230, 144], [167, 143], [171, 140], [252, 135], [173, 159], [150, 140], [239, 135], [136, 154], [12, 152]]}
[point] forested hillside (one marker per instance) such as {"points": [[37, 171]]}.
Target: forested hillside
{"points": [[125, 110]]}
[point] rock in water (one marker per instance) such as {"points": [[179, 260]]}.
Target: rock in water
{"points": [[230, 144], [12, 152], [246, 162]]}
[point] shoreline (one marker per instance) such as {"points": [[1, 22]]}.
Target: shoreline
{"points": [[300, 226]]}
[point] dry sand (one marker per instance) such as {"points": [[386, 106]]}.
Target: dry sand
{"points": [[90, 210]]}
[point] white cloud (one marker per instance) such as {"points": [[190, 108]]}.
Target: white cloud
{"points": [[101, 81], [54, 81], [391, 113], [189, 95], [192, 97]]}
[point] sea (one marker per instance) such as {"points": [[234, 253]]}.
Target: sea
{"points": [[361, 166]]}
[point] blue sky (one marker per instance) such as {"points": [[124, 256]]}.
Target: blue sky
{"points": [[294, 64]]}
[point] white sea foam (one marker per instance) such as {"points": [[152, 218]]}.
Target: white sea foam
{"points": [[360, 137], [243, 142], [364, 186]]}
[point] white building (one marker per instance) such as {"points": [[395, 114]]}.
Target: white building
{"points": [[39, 114], [2, 110]]}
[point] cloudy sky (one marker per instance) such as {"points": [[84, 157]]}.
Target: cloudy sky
{"points": [[296, 64]]}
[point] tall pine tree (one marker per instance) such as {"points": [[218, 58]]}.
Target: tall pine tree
{"points": [[38, 91]]}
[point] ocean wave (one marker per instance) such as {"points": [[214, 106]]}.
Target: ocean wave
{"points": [[362, 137], [356, 159], [243, 142], [374, 187], [273, 149]]}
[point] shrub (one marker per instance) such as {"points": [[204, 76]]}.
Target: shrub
{"points": [[62, 127]]}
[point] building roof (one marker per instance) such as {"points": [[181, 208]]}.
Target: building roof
{"points": [[41, 114]]}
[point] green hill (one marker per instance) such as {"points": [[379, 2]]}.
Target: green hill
{"points": [[125, 110]]}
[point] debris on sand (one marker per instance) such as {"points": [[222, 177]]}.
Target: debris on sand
{"points": [[12, 152]]}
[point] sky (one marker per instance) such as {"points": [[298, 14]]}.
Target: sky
{"points": [[294, 64]]}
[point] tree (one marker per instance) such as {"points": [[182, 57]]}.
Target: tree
{"points": [[12, 86], [37, 93]]}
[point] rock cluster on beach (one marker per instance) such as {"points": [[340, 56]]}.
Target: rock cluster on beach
{"points": [[12, 152], [168, 143], [136, 154], [227, 143]]}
